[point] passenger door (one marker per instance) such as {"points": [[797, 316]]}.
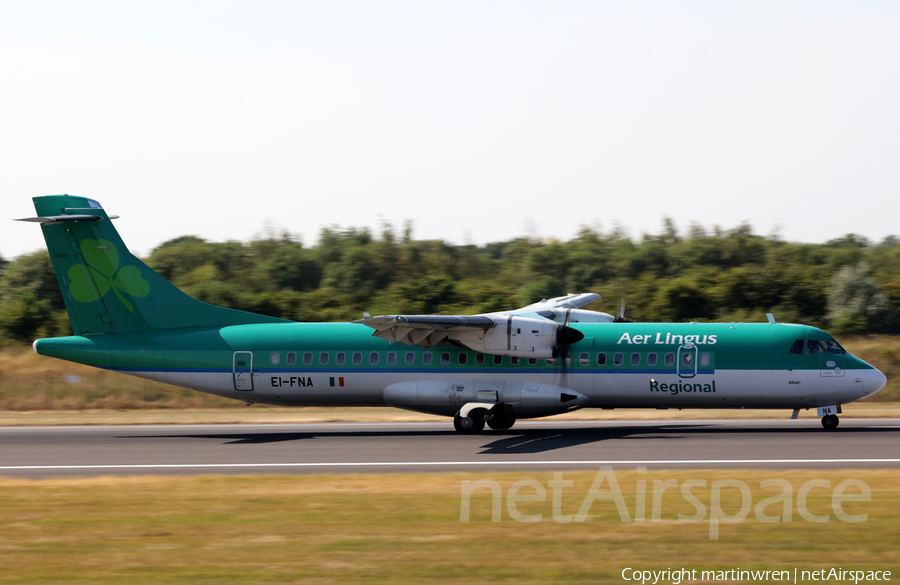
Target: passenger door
{"points": [[243, 371], [686, 360]]}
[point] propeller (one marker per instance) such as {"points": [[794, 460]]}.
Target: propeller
{"points": [[565, 336], [620, 313]]}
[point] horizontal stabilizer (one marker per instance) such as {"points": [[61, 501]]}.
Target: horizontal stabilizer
{"points": [[66, 217]]}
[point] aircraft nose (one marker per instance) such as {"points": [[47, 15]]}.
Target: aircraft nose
{"points": [[877, 381]]}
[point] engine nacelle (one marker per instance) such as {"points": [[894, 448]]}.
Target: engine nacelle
{"points": [[516, 336], [447, 397]]}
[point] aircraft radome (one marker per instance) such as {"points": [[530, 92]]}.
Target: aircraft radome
{"points": [[547, 358]]}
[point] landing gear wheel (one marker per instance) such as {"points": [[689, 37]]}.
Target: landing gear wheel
{"points": [[501, 424], [830, 422], [469, 425]]}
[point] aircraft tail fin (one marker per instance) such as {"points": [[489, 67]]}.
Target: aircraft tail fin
{"points": [[106, 289]]}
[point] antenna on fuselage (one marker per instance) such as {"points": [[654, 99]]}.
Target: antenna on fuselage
{"points": [[770, 317]]}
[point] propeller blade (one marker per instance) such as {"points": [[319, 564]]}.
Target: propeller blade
{"points": [[566, 336], [620, 313]]}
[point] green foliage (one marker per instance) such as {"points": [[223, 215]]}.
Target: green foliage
{"points": [[31, 273], [683, 299], [425, 295], [30, 300], [23, 314], [856, 304], [698, 275], [545, 288], [290, 266]]}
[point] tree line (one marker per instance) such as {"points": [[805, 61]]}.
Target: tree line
{"points": [[849, 285]]}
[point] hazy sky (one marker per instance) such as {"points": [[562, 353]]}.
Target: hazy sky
{"points": [[480, 121]]}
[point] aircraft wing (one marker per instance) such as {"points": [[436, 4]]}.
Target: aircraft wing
{"points": [[570, 301], [424, 330], [522, 333]]}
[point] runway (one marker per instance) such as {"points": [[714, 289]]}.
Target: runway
{"points": [[332, 448]]}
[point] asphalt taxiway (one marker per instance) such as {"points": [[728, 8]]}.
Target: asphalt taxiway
{"points": [[80, 451]]}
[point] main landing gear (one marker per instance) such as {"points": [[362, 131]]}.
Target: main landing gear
{"points": [[499, 423], [476, 419], [471, 424], [830, 422]]}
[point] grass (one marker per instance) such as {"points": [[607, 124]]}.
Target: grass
{"points": [[407, 529], [32, 382]]}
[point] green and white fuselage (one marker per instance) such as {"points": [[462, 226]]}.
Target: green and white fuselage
{"points": [[748, 366], [500, 366]]}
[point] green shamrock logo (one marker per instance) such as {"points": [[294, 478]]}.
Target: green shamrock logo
{"points": [[102, 273]]}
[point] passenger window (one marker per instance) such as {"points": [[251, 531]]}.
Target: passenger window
{"points": [[410, 358], [357, 358], [392, 358], [813, 346], [687, 359], [479, 359], [584, 359], [291, 358], [445, 358], [340, 358], [704, 359], [618, 359], [670, 359], [323, 358], [601, 359], [373, 358], [498, 359], [532, 361], [426, 358], [568, 359], [514, 361], [797, 347], [635, 359], [462, 359], [651, 359], [550, 361], [307, 358], [275, 358]]}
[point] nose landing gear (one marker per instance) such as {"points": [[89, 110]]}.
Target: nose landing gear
{"points": [[830, 422]]}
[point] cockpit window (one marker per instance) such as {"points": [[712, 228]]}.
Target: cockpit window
{"points": [[833, 346], [798, 346], [813, 346]]}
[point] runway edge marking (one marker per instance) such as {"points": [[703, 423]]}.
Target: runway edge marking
{"points": [[435, 464]]}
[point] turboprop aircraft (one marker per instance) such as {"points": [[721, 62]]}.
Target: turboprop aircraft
{"points": [[547, 358]]}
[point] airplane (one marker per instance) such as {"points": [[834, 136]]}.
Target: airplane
{"points": [[492, 369]]}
